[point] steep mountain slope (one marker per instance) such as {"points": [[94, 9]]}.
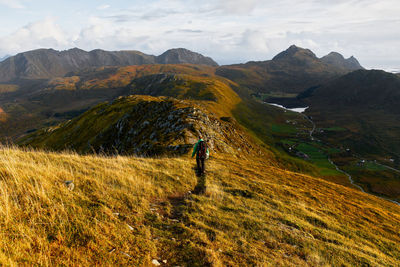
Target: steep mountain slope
{"points": [[131, 211], [144, 125], [363, 89], [365, 103], [291, 71], [49, 63]]}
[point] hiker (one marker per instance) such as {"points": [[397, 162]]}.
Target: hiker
{"points": [[201, 151]]}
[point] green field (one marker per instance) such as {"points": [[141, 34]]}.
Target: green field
{"points": [[335, 129], [319, 158], [283, 128]]}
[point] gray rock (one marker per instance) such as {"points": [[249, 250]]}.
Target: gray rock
{"points": [[70, 185], [155, 262]]}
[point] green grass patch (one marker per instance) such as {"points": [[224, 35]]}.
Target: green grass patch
{"points": [[263, 96], [318, 158], [283, 128], [371, 166], [288, 142], [335, 129], [332, 150]]}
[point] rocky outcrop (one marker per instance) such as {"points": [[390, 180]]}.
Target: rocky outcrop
{"points": [[144, 125]]}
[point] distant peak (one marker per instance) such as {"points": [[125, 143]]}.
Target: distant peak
{"points": [[335, 54], [295, 51], [178, 49], [183, 55], [293, 47], [337, 60]]}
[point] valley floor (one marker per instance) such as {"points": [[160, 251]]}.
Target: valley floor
{"points": [[131, 211]]}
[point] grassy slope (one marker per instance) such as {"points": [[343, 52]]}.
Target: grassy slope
{"points": [[251, 214], [36, 104], [215, 94]]}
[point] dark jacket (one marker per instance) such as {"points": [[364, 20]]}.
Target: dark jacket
{"points": [[195, 151]]}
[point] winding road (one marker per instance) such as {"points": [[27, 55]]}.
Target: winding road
{"points": [[311, 132], [345, 173]]}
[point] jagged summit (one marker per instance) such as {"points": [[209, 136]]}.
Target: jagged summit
{"points": [[336, 59], [295, 51]]}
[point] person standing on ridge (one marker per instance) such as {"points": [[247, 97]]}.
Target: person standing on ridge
{"points": [[201, 151]]}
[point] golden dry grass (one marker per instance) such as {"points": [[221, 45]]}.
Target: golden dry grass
{"points": [[128, 211]]}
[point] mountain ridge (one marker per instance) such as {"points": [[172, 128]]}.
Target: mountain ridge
{"points": [[291, 71], [4, 58], [50, 63]]}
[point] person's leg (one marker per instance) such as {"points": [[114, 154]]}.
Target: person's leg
{"points": [[203, 166], [198, 165]]}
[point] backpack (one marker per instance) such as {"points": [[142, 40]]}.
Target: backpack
{"points": [[202, 150]]}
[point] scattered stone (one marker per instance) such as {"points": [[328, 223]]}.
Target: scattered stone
{"points": [[116, 213], [126, 254], [164, 261], [70, 185], [155, 262], [130, 227]]}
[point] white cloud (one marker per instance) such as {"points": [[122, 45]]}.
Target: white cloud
{"points": [[40, 34], [230, 31], [12, 3], [103, 7], [237, 6]]}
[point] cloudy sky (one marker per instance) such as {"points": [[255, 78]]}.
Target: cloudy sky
{"points": [[230, 31]]}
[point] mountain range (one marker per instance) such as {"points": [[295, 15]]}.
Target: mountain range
{"points": [[291, 71], [49, 63]]}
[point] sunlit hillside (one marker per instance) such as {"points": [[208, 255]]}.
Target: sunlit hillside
{"points": [[131, 211]]}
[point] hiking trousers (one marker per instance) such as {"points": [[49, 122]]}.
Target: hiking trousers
{"points": [[201, 167]]}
